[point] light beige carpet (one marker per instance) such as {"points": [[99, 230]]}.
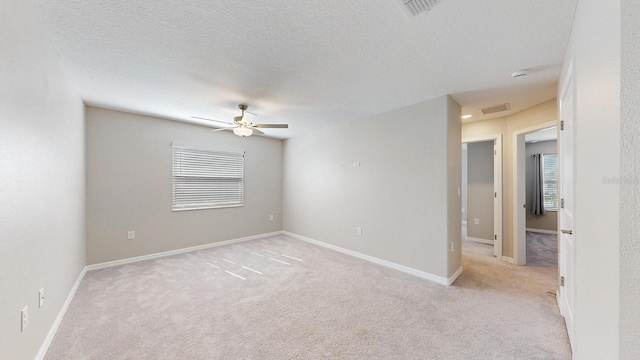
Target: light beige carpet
{"points": [[281, 298]]}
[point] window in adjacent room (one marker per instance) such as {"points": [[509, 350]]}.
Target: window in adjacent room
{"points": [[550, 183], [205, 178]]}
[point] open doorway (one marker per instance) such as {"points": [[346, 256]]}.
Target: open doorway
{"points": [[541, 185], [524, 215], [482, 192]]}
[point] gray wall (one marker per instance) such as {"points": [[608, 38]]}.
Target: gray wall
{"points": [[129, 187], [548, 221], [630, 188], [42, 183], [399, 195], [480, 190]]}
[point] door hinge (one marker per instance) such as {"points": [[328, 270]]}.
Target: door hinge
{"points": [[562, 125], [561, 280], [561, 203], [495, 194], [495, 152], [495, 237]]}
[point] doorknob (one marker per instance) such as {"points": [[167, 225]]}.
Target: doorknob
{"points": [[570, 232]]}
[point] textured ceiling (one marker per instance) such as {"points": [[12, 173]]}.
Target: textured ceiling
{"points": [[310, 64]]}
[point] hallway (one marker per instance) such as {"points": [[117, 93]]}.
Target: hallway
{"points": [[517, 299]]}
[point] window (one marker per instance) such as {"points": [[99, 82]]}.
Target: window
{"points": [[550, 183], [207, 178]]}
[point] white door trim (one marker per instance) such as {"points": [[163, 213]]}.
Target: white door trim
{"points": [[497, 187], [519, 191]]}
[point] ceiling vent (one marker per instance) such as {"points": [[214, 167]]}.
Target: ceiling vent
{"points": [[495, 109], [416, 7]]}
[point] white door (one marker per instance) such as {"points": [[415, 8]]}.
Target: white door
{"points": [[567, 238]]}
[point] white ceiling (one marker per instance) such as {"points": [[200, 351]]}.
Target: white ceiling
{"points": [[310, 64]]}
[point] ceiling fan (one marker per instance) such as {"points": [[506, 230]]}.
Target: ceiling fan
{"points": [[243, 125]]}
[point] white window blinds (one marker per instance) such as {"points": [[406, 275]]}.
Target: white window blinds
{"points": [[550, 184], [206, 178]]}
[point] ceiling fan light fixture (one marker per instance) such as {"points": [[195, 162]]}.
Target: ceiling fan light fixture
{"points": [[242, 131], [243, 125], [247, 118]]}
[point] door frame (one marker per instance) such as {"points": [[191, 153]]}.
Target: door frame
{"points": [[519, 194], [497, 188]]}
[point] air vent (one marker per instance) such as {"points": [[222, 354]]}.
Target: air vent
{"points": [[495, 109], [416, 7]]}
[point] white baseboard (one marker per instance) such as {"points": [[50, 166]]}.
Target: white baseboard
{"points": [[454, 276], [385, 263], [508, 259], [54, 328], [542, 231], [109, 264], [484, 241]]}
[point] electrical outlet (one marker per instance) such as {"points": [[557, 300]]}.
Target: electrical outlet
{"points": [[24, 316], [476, 221], [356, 164], [359, 231], [131, 235], [270, 217], [41, 297]]}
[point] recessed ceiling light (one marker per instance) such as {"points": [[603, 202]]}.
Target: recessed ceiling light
{"points": [[466, 116]]}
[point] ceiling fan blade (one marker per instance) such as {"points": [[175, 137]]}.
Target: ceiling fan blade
{"points": [[256, 131], [272, 126], [222, 129], [201, 118]]}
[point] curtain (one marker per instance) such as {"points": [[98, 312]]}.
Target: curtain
{"points": [[538, 181]]}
